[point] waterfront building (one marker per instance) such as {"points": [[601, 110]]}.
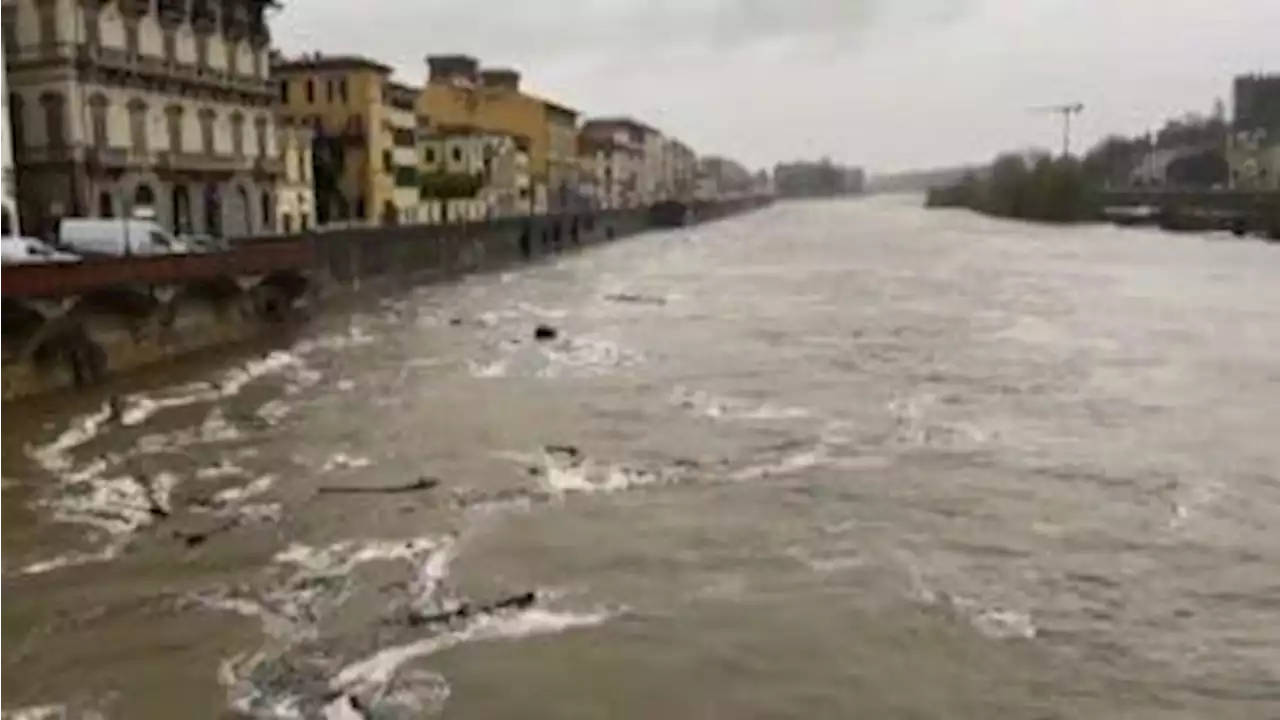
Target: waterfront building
{"points": [[469, 174], [459, 93], [720, 177], [364, 146], [295, 194], [165, 104], [612, 164], [643, 149], [12, 226]]}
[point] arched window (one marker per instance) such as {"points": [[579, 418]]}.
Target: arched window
{"points": [[144, 196], [237, 133], [98, 119], [138, 124], [267, 210]]}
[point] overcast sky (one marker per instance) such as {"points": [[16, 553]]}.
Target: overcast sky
{"points": [[888, 84]]}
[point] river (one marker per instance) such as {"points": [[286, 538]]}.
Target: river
{"points": [[825, 460]]}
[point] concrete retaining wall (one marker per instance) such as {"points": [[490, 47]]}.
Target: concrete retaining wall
{"points": [[74, 342]]}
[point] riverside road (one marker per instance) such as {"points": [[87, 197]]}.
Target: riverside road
{"points": [[824, 460]]}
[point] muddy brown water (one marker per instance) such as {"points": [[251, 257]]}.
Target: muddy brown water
{"points": [[824, 460]]}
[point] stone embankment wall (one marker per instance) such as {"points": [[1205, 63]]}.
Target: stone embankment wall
{"points": [[79, 341]]}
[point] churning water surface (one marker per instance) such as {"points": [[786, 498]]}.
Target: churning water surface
{"points": [[826, 460]]}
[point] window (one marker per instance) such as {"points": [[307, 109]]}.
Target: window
{"points": [[287, 223], [170, 46], [159, 239], [311, 91], [10, 23], [266, 209], [138, 125], [284, 92], [202, 50], [98, 119], [342, 89], [131, 37], [106, 206], [207, 117], [330, 89], [55, 118], [457, 154], [48, 24], [429, 156], [260, 130], [173, 116], [237, 134], [386, 161], [233, 57]]}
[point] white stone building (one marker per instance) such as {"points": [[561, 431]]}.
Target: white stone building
{"points": [[295, 189], [12, 225], [635, 163], [162, 103]]}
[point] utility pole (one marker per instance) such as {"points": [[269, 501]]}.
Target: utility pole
{"points": [[1066, 110]]}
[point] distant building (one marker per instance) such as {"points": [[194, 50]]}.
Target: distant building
{"points": [[1253, 158], [817, 179], [460, 93], [613, 165], [1256, 103], [472, 174], [654, 155], [722, 177]]}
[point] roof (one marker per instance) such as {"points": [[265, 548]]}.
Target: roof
{"points": [[620, 121], [318, 62]]}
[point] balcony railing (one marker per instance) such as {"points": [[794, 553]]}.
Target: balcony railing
{"points": [[201, 162], [120, 59]]}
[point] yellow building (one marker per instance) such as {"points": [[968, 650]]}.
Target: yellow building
{"points": [[459, 93], [295, 196], [365, 163]]}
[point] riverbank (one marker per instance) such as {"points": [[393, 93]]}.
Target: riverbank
{"points": [[61, 343]]}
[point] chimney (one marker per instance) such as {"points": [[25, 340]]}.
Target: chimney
{"points": [[451, 68], [501, 78]]}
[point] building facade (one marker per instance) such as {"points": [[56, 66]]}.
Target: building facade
{"points": [[612, 164], [295, 195], [460, 93], [11, 217], [1253, 160], [639, 160], [471, 174], [363, 127], [721, 177], [120, 104]]}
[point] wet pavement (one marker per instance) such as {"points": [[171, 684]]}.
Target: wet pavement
{"points": [[823, 460]]}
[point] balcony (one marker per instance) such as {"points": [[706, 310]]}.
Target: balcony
{"points": [[272, 166], [114, 158], [201, 163]]}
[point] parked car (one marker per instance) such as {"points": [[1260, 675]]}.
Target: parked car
{"points": [[18, 250], [117, 237], [200, 242]]}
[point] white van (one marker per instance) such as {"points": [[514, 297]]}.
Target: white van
{"points": [[116, 237]]}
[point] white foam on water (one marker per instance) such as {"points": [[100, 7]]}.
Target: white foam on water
{"points": [[273, 411], [258, 486], [345, 385], [73, 559], [785, 465], [723, 407], [55, 456], [373, 673], [592, 356], [274, 362], [344, 556], [224, 469], [497, 368], [343, 461]]}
